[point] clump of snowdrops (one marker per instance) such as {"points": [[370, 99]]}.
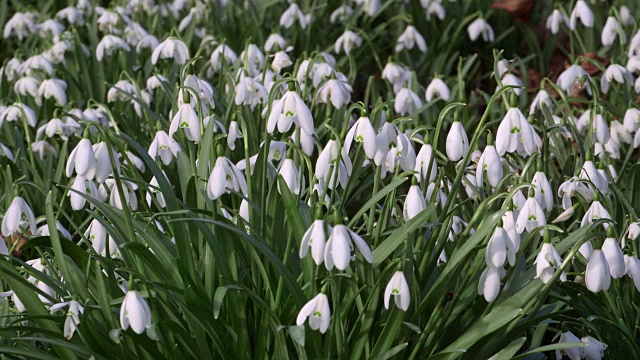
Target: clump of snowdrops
{"points": [[364, 179]]}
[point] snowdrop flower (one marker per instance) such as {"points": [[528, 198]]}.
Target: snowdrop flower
{"points": [[280, 61], [542, 190], [633, 231], [611, 30], [414, 202], [596, 211], [27, 85], [531, 216], [186, 118], [625, 16], [253, 59], [554, 21], [433, 7], [250, 92], [615, 259], [572, 76], [50, 28], [12, 69], [21, 25], [80, 185], [103, 161], [290, 109], [423, 161], [481, 27], [490, 163], [292, 176], [399, 288], [82, 159], [14, 216], [18, 111], [515, 133], [292, 14], [154, 189], [437, 89], [409, 38], [156, 81], [617, 73], [542, 99], [632, 269], [109, 44], [370, 7], [457, 143], [341, 13], [272, 41], [40, 147], [36, 63], [500, 249], [581, 12], [53, 88], [225, 176], [163, 146], [512, 80], [489, 284], [135, 312], [171, 48], [509, 225], [337, 91], [73, 316], [597, 275], [575, 353], [547, 262], [594, 349], [338, 248], [328, 163], [315, 238], [397, 75], [5, 151], [98, 237], [362, 132], [318, 312], [147, 42], [631, 122], [222, 54], [347, 42], [406, 102], [72, 15]]}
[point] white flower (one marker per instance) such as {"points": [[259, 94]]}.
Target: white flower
{"points": [[335, 90], [424, 160], [617, 73], [326, 165], [481, 27], [594, 349], [292, 14], [98, 237], [147, 42], [342, 13], [53, 88], [399, 288], [280, 61], [511, 80], [409, 38], [632, 269], [347, 42], [222, 53], [437, 89], [509, 225], [27, 85], [186, 118], [489, 284], [582, 12], [292, 176], [370, 7], [315, 238], [568, 79], [83, 160], [433, 7], [575, 353], [318, 312], [290, 109], [406, 102], [457, 143], [414, 203], [225, 176], [204, 91], [633, 231], [631, 122], [531, 216], [36, 63], [250, 92], [338, 248], [590, 173], [109, 44], [135, 312], [20, 24], [597, 275], [542, 190], [554, 21], [542, 99], [73, 316], [171, 49], [362, 132], [611, 30], [614, 256], [625, 16], [397, 75], [500, 249], [12, 220], [18, 111], [596, 211], [163, 146], [547, 262], [154, 189], [491, 163], [515, 134], [586, 249], [253, 59]]}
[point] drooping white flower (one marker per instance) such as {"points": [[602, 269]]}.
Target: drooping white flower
{"points": [[414, 203], [222, 54], [425, 160], [362, 132], [433, 7], [406, 102], [572, 77], [542, 190], [542, 99], [632, 269], [21, 25], [163, 146], [409, 38], [318, 312], [135, 312], [18, 111], [481, 27], [72, 320], [489, 284], [617, 73], [515, 134], [611, 30], [437, 89], [397, 75], [225, 176], [342, 13], [490, 163], [52, 88], [27, 86], [315, 238], [500, 249], [596, 211], [582, 12], [597, 274], [253, 59], [399, 288], [590, 173], [292, 14], [531, 216], [171, 48], [457, 143], [615, 258], [250, 92], [338, 248], [292, 175], [347, 42], [108, 44], [575, 353], [547, 262], [290, 109], [336, 91], [12, 220], [556, 19], [186, 118], [82, 159], [594, 349]]}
